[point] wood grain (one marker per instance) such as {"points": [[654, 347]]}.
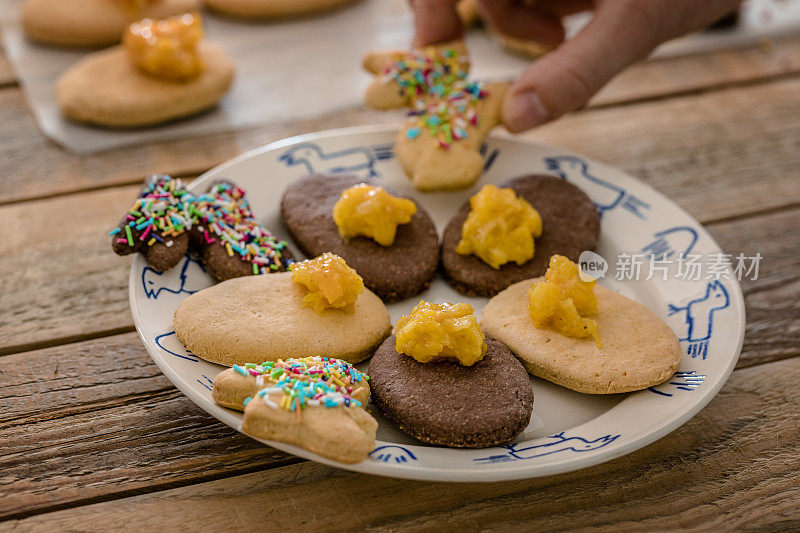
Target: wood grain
{"points": [[734, 465], [669, 139], [88, 420], [662, 77], [146, 435], [45, 302]]}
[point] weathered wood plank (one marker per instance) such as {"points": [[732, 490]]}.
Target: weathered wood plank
{"points": [[146, 435], [45, 303], [673, 75], [668, 140], [718, 471], [84, 421], [712, 153]]}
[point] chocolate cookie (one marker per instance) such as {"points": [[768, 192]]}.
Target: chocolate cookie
{"points": [[570, 226], [166, 221], [393, 272], [486, 404]]}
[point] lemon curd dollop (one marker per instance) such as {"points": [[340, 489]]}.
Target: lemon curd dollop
{"points": [[564, 302], [330, 283], [500, 227], [371, 212], [434, 332], [168, 48]]}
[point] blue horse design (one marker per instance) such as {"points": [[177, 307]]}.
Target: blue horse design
{"points": [[605, 195], [687, 380], [179, 351], [556, 443], [206, 382], [679, 240], [698, 318], [359, 161], [392, 452], [154, 284], [488, 157]]}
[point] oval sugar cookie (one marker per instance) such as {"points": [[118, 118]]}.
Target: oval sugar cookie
{"points": [[272, 8], [263, 318], [570, 225], [91, 23], [447, 404], [394, 272], [638, 349], [106, 89]]}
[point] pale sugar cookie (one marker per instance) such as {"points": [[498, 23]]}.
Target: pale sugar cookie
{"points": [[638, 350], [110, 88], [93, 23], [272, 8], [264, 318]]}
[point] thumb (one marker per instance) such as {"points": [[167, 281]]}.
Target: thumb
{"points": [[565, 79]]}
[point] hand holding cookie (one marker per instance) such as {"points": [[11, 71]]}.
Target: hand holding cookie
{"points": [[449, 116]]}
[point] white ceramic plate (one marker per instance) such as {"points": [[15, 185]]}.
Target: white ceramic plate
{"points": [[568, 430]]}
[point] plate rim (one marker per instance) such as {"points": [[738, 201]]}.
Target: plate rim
{"points": [[433, 473]]}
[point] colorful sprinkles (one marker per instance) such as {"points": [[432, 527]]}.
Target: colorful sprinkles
{"points": [[166, 209], [305, 381], [441, 99]]}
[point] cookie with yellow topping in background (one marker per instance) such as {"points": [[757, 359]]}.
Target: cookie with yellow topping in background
{"points": [[93, 23], [389, 240], [272, 9], [565, 222], [164, 71]]}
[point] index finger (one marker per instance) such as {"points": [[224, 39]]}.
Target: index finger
{"points": [[436, 21]]}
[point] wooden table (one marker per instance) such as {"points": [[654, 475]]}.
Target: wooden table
{"points": [[95, 437]]}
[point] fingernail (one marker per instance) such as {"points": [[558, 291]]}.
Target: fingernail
{"points": [[524, 111]]}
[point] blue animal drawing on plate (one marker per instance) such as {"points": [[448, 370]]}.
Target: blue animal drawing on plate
{"points": [[359, 161], [170, 343], [687, 380], [697, 318], [205, 381], [489, 157], [555, 444], [392, 453], [605, 195], [190, 279], [671, 242]]}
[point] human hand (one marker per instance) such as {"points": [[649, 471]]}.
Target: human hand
{"points": [[621, 32]]}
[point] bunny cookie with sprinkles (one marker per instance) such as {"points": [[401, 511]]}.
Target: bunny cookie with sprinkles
{"points": [[312, 402], [166, 221], [449, 116]]}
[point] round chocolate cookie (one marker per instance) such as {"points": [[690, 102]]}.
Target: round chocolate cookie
{"points": [[392, 272], [486, 404], [570, 225]]}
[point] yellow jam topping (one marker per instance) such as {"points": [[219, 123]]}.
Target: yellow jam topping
{"points": [[563, 302], [432, 332], [168, 48], [331, 284], [500, 227], [372, 212]]}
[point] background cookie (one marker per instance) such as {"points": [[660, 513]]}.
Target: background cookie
{"points": [[393, 272], [486, 404], [91, 23], [570, 225], [638, 349], [272, 8], [263, 318], [105, 89]]}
